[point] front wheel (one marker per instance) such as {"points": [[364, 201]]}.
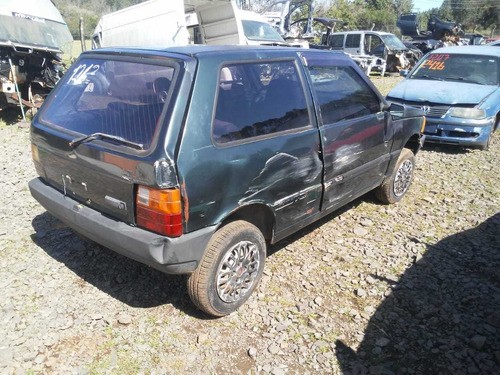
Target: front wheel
{"points": [[396, 186], [230, 270]]}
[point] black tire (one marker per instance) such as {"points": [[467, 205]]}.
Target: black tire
{"points": [[396, 186], [234, 258]]}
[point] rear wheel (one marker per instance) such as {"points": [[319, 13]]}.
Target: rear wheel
{"points": [[230, 270], [395, 187]]}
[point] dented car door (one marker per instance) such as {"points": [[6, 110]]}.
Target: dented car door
{"points": [[355, 131]]}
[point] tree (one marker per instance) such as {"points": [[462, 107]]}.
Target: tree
{"points": [[472, 13]]}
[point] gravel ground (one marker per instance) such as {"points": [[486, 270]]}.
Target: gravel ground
{"points": [[411, 288]]}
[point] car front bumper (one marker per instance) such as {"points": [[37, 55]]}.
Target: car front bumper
{"points": [[170, 255], [468, 133]]}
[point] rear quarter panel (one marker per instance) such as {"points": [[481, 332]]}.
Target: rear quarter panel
{"points": [[218, 179]]}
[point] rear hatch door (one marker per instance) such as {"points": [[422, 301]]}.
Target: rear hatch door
{"points": [[94, 137]]}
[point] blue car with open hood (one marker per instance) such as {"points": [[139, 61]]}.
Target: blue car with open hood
{"points": [[458, 89]]}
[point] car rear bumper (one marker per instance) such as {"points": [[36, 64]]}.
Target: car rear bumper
{"points": [[470, 135], [170, 255]]}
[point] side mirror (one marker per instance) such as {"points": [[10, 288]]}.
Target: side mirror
{"points": [[397, 111], [404, 72]]}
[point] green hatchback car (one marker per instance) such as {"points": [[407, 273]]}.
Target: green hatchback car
{"points": [[194, 159]]}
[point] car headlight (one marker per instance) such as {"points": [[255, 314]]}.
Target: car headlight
{"points": [[472, 113]]}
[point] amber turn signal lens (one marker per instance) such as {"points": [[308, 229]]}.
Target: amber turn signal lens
{"points": [[422, 128], [159, 211]]}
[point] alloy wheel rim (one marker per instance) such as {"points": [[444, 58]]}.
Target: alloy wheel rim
{"points": [[403, 178], [238, 271]]}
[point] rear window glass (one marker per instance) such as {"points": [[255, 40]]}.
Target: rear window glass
{"points": [[117, 98]]}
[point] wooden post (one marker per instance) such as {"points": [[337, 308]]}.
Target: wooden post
{"points": [[82, 37]]}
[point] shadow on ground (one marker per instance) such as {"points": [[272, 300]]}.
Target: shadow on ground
{"points": [[12, 116], [442, 317], [126, 280]]}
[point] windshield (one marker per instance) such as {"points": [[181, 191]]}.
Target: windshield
{"points": [[256, 30], [35, 32], [393, 42], [111, 98], [476, 69]]}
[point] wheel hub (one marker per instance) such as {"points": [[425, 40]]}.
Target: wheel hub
{"points": [[403, 178], [237, 271]]}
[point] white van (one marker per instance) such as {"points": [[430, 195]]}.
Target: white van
{"points": [[224, 23], [181, 23]]}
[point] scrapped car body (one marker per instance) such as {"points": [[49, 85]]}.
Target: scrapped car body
{"points": [[458, 89], [382, 51], [32, 37], [437, 29], [193, 159]]}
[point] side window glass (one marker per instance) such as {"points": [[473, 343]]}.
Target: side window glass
{"points": [[337, 41], [258, 99], [342, 93], [376, 44], [352, 40]]}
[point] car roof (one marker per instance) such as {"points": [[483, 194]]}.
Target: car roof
{"points": [[362, 31], [470, 50], [203, 49]]}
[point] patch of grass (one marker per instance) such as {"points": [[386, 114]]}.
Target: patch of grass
{"points": [[127, 364]]}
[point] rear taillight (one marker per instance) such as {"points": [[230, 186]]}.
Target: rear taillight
{"points": [[159, 211]]}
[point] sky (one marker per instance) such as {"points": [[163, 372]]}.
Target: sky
{"points": [[422, 5]]}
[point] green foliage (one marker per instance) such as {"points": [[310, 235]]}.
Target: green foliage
{"points": [[357, 14], [361, 14], [90, 11], [478, 15], [474, 13]]}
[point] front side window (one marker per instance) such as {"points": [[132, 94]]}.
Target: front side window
{"points": [[372, 43], [342, 93], [116, 98], [258, 99]]}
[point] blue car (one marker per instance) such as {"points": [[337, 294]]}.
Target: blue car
{"points": [[458, 90]]}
